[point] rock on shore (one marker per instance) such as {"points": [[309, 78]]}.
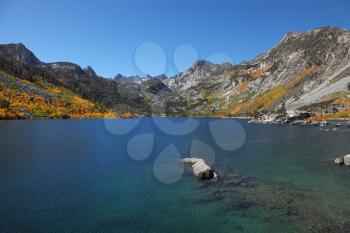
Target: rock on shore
{"points": [[200, 168], [288, 117]]}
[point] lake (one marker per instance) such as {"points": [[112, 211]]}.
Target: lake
{"points": [[126, 176]]}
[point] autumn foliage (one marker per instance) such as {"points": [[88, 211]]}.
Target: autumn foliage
{"points": [[242, 86], [23, 99], [268, 98]]}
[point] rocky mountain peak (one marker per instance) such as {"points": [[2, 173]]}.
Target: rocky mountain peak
{"points": [[200, 64], [131, 79], [18, 52], [327, 32], [161, 77], [89, 71], [318, 47], [118, 76]]}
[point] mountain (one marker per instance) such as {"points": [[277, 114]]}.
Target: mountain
{"points": [[140, 96], [19, 53], [131, 79], [21, 99], [16, 60], [307, 71]]}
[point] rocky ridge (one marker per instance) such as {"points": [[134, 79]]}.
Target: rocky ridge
{"points": [[306, 72]]}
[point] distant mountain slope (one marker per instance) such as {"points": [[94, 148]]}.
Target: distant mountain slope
{"points": [[314, 62], [17, 60], [142, 96], [21, 99], [306, 70]]}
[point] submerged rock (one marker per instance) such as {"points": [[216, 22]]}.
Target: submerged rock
{"points": [[339, 160], [200, 168]]}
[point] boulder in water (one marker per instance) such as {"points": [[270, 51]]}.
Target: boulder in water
{"points": [[347, 160], [339, 160], [200, 168], [343, 160]]}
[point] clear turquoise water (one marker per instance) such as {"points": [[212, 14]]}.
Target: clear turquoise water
{"points": [[76, 176]]}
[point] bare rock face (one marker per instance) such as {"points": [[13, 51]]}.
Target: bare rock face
{"points": [[269, 119], [289, 117], [302, 70], [19, 53], [200, 168]]}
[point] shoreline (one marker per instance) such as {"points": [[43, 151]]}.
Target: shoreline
{"points": [[118, 118], [138, 117]]}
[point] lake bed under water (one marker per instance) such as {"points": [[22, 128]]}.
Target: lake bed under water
{"points": [[86, 176]]}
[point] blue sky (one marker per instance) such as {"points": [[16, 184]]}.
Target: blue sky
{"points": [[154, 36]]}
